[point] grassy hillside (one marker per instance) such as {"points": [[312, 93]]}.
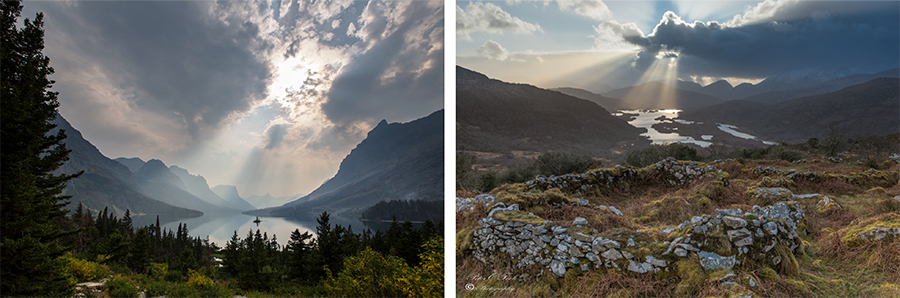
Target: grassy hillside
{"points": [[755, 227]]}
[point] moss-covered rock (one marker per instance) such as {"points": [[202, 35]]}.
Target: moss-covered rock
{"points": [[885, 227]]}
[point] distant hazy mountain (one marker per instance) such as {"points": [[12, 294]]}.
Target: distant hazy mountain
{"points": [[107, 183], [821, 87], [197, 186], [870, 108], [395, 161], [267, 200], [652, 95], [229, 193], [158, 182], [610, 104], [496, 116], [134, 164]]}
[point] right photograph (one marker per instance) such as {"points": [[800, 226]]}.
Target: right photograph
{"points": [[677, 148]]}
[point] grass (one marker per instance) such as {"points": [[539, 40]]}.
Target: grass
{"points": [[831, 262]]}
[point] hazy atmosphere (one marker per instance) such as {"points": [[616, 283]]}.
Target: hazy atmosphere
{"points": [[269, 98], [584, 44]]}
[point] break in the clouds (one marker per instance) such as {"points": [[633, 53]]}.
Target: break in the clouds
{"points": [[774, 37], [285, 88], [489, 17]]}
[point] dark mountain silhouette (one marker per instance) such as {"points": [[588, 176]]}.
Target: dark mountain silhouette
{"points": [[197, 186], [652, 95], [495, 116], [395, 161], [821, 88], [105, 182], [133, 164], [230, 194], [871, 108], [159, 183], [610, 104]]}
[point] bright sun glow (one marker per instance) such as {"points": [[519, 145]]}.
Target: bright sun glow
{"points": [[664, 70]]}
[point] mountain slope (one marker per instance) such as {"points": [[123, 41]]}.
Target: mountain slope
{"points": [[610, 104], [654, 95], [106, 183], [230, 194], [395, 161], [820, 88], [500, 117], [197, 186], [134, 164], [871, 108], [161, 184]]}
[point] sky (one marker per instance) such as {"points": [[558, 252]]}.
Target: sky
{"points": [[587, 43], [269, 96]]}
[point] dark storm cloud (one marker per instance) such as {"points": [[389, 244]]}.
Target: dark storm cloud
{"points": [[777, 37], [399, 78], [174, 56]]}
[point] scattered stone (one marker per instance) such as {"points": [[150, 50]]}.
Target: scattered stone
{"points": [[580, 221], [713, 261], [582, 202], [752, 282], [630, 242], [558, 268], [680, 252], [827, 204], [616, 211], [612, 254], [734, 222], [655, 262], [639, 267], [627, 255]]}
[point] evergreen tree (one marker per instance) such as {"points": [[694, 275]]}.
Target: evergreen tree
{"points": [[31, 204], [298, 255], [139, 258]]}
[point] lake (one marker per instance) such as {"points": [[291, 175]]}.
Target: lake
{"points": [[646, 119], [220, 228]]}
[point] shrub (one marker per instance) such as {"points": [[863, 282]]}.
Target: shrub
{"points": [[487, 181], [647, 156], [120, 286], [84, 270], [369, 274], [555, 163]]}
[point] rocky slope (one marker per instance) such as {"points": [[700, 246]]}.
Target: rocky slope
{"points": [[724, 229], [107, 183], [395, 161]]}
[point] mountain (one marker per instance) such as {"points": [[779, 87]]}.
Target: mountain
{"points": [[395, 161], [610, 104], [133, 164], [656, 95], [230, 194], [822, 87], [870, 108], [105, 182], [158, 182], [267, 200], [197, 186], [500, 117]]}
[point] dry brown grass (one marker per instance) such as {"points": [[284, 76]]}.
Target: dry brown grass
{"points": [[609, 283]]}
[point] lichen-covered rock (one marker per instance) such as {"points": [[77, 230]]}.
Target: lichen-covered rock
{"points": [[713, 261], [766, 195], [468, 203], [885, 227], [827, 204]]}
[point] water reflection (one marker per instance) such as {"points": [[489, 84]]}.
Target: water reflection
{"points": [[647, 118], [220, 228]]}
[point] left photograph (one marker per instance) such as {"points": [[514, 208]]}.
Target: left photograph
{"points": [[222, 149]]}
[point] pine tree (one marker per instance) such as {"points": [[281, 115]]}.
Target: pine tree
{"points": [[31, 203]]}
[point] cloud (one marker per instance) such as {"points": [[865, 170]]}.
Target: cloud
{"points": [[275, 135], [488, 17], [400, 75], [493, 50], [188, 63], [774, 37], [594, 9]]}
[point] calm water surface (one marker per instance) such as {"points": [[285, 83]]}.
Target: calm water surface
{"points": [[220, 228]]}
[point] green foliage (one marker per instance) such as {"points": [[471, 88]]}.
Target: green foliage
{"points": [[487, 181], [555, 163], [654, 153], [84, 270], [466, 174], [428, 280], [369, 274], [119, 286], [31, 204]]}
